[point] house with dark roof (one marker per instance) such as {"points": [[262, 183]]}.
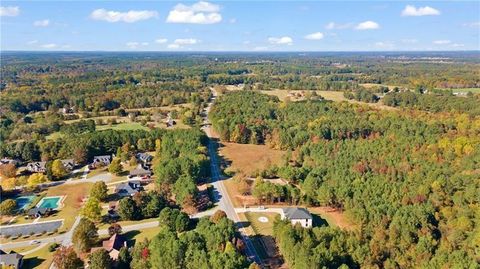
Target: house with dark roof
{"points": [[11, 259], [102, 160], [113, 246], [37, 167], [69, 164], [9, 161], [129, 188], [144, 158], [297, 215]]}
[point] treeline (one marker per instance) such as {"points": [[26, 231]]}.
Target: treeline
{"points": [[406, 179], [434, 102]]}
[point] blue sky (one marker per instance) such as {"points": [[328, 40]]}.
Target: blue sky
{"points": [[240, 25]]}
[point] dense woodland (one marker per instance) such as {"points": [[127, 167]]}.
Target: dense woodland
{"points": [[409, 180]]}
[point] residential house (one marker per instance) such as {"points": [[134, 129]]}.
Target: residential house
{"points": [[129, 188], [103, 160], [11, 259], [37, 167], [9, 161], [139, 171], [144, 158], [69, 164], [297, 215], [113, 246]]}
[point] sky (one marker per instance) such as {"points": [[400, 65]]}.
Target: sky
{"points": [[239, 25]]}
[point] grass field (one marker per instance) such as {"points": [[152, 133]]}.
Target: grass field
{"points": [[249, 158], [40, 259], [126, 126], [261, 228], [473, 90]]}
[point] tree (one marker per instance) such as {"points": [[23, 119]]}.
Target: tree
{"points": [[124, 258], [80, 155], [183, 188], [115, 167], [141, 255], [85, 235], [35, 179], [58, 169], [99, 191], [115, 228], [92, 209], [8, 207], [127, 209], [100, 259], [8, 170], [66, 258], [217, 216]]}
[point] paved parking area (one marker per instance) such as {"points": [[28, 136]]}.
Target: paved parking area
{"points": [[27, 229]]}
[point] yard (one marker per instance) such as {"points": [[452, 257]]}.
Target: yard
{"points": [[248, 158]]}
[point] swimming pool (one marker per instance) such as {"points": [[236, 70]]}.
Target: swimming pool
{"points": [[52, 202], [24, 201]]}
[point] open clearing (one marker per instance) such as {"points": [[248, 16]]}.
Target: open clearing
{"points": [[249, 158], [335, 96], [130, 126], [259, 227], [333, 216]]}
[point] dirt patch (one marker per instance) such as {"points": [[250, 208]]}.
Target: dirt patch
{"points": [[333, 216], [248, 158]]}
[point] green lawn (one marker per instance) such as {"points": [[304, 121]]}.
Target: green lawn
{"points": [[473, 90], [261, 228], [127, 126]]}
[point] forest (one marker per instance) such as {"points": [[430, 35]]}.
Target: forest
{"points": [[408, 179]]}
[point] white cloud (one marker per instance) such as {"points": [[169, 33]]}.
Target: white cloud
{"points": [[421, 11], [185, 41], [442, 42], [9, 11], [116, 16], [232, 20], [457, 45], [161, 41], [41, 23], [384, 45], [281, 40], [367, 25], [314, 36], [199, 13], [333, 25], [32, 42], [136, 45], [173, 46], [180, 42], [475, 24], [49, 46]]}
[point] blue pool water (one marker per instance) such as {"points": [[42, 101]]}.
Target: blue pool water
{"points": [[24, 201], [49, 202]]}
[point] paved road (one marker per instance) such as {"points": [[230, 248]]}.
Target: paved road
{"points": [[222, 197]]}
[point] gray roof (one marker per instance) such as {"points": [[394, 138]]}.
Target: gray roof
{"points": [[38, 210], [11, 258], [296, 213], [125, 188], [140, 171]]}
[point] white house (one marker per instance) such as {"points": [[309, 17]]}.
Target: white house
{"points": [[297, 215]]}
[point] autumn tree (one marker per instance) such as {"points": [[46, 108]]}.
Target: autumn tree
{"points": [[8, 170], [66, 258], [114, 228], [92, 209], [58, 169], [8, 207], [35, 179], [99, 191]]}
